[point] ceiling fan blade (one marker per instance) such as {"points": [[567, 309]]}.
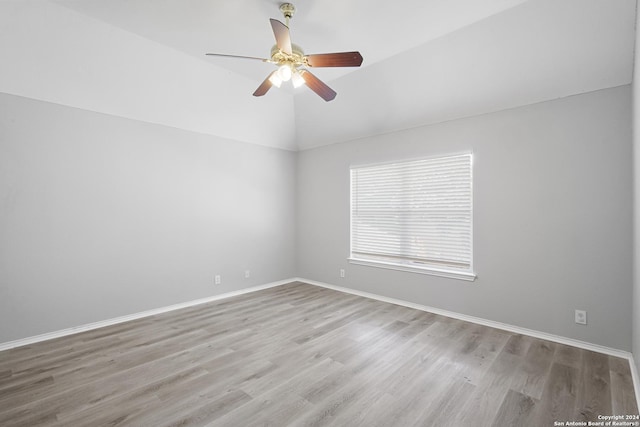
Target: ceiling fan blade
{"points": [[283, 39], [237, 56], [264, 86], [316, 85], [339, 59]]}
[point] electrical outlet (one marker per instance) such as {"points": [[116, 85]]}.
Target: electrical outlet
{"points": [[217, 280], [581, 317], [247, 274], [342, 273]]}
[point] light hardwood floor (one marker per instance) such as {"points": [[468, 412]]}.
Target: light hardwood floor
{"points": [[302, 355]]}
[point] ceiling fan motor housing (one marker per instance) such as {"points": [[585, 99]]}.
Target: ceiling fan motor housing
{"points": [[296, 58]]}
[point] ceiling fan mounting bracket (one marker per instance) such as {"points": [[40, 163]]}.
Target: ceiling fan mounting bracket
{"points": [[287, 10]]}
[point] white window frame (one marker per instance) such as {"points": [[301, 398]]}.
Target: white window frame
{"points": [[406, 265]]}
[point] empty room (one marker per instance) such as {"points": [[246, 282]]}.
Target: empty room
{"points": [[259, 213]]}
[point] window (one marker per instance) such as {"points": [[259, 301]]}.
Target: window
{"points": [[414, 216]]}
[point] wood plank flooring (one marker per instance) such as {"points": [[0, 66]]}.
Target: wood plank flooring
{"points": [[300, 355]]}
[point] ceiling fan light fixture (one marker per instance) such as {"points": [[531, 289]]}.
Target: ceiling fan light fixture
{"points": [[275, 79], [284, 72], [296, 79]]}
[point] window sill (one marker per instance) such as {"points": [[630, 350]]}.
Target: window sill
{"points": [[451, 274]]}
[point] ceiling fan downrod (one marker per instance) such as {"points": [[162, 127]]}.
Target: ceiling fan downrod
{"points": [[287, 10]]}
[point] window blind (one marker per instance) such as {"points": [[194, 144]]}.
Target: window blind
{"points": [[416, 212]]}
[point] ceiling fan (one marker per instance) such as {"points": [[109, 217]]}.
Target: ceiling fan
{"points": [[292, 62]]}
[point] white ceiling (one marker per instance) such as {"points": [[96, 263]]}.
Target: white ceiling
{"points": [[425, 61]]}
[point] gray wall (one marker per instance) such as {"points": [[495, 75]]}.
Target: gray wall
{"points": [[102, 216], [636, 198], [552, 216]]}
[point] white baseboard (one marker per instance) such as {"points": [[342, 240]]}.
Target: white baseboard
{"points": [[498, 325], [115, 321], [636, 381]]}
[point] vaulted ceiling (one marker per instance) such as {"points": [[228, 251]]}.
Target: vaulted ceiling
{"points": [[425, 61]]}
